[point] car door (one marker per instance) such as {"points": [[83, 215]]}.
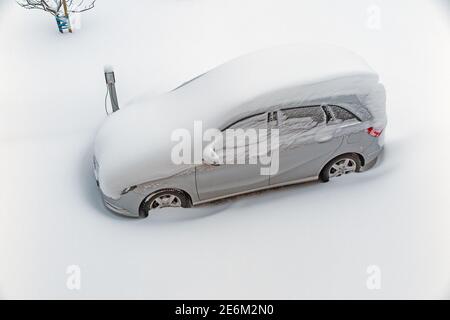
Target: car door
{"points": [[305, 141], [243, 174]]}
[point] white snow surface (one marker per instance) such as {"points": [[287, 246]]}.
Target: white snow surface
{"points": [[108, 68], [131, 149], [308, 241]]}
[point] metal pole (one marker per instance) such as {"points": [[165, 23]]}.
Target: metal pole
{"points": [[110, 82]]}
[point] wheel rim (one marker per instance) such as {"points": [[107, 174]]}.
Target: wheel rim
{"points": [[164, 201], [342, 167]]}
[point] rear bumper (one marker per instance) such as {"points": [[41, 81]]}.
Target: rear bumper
{"points": [[372, 156]]}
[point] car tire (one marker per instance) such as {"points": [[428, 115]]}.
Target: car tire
{"points": [[341, 165], [164, 198]]}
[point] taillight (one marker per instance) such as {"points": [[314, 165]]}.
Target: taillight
{"points": [[374, 132]]}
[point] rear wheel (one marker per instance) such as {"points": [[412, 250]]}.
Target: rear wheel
{"points": [[341, 165], [169, 198]]}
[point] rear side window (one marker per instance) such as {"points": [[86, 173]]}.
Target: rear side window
{"points": [[298, 125], [303, 118], [340, 114]]}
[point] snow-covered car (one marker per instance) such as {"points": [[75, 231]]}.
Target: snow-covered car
{"points": [[326, 102]]}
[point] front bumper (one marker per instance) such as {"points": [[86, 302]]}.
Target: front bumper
{"points": [[127, 205], [116, 206], [117, 209]]}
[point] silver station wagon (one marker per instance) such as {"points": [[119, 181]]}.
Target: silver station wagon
{"points": [[325, 102]]}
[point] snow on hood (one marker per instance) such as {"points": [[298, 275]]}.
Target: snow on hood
{"points": [[134, 144]]}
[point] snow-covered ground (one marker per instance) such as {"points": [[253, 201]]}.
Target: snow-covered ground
{"points": [[308, 241]]}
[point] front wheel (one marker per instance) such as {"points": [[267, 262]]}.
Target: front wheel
{"points": [[341, 165], [169, 198]]}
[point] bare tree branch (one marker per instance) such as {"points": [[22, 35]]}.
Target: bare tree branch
{"points": [[54, 6]]}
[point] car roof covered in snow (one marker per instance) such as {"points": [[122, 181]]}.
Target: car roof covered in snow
{"points": [[134, 144]]}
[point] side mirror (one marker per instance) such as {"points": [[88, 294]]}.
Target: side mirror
{"points": [[210, 156]]}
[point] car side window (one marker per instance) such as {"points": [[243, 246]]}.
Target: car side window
{"points": [[301, 119], [237, 144], [257, 121], [340, 114]]}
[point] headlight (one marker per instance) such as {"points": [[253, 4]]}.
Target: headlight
{"points": [[126, 190]]}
